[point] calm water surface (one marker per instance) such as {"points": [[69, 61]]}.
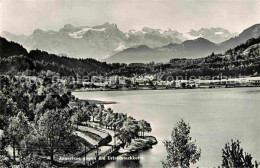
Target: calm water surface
{"points": [[215, 115]]}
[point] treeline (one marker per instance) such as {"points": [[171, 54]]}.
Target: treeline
{"points": [[65, 65], [15, 64]]}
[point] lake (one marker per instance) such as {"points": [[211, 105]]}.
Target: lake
{"points": [[215, 115]]}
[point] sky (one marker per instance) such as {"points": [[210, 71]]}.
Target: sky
{"points": [[23, 16]]}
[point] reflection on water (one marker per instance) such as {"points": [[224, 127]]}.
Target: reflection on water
{"points": [[215, 115]]}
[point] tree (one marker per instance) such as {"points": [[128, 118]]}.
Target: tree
{"points": [[233, 156], [144, 126], [132, 126], [181, 150], [85, 116], [128, 131], [54, 128], [17, 129], [8, 107], [107, 118], [48, 103], [80, 115], [125, 136]]}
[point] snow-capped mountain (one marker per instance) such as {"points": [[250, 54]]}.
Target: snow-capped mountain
{"points": [[153, 37], [81, 42], [105, 40], [216, 35], [199, 47]]}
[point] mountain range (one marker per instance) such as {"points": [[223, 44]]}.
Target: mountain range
{"points": [[106, 42], [215, 35], [197, 48]]}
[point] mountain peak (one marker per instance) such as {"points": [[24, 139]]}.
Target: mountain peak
{"points": [[148, 29], [199, 41], [107, 24], [36, 31], [68, 26]]}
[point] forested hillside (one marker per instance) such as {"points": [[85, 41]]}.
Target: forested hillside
{"points": [[15, 58], [65, 65], [241, 60], [8, 48]]}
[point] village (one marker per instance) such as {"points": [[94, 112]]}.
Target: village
{"points": [[143, 82]]}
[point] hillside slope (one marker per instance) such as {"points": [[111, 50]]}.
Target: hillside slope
{"points": [[14, 58]]}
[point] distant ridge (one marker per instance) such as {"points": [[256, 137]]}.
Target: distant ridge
{"points": [[196, 48], [251, 32]]}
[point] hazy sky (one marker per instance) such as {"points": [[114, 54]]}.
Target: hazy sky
{"points": [[23, 16]]}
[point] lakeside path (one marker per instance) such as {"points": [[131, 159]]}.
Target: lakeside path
{"points": [[89, 158], [137, 144], [99, 132], [111, 132], [87, 138]]}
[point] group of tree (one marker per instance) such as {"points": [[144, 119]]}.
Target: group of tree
{"points": [[36, 121], [51, 134], [126, 127], [182, 151]]}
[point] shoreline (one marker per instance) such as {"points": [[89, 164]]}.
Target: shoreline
{"points": [[93, 102], [127, 156], [118, 152], [161, 88]]}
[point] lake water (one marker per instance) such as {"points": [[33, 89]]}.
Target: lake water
{"points": [[215, 115]]}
